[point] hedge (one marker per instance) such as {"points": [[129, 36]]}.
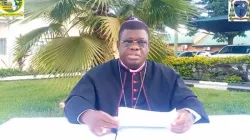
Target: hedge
{"points": [[229, 69], [13, 72]]}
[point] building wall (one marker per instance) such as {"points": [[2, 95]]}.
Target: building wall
{"points": [[213, 48], [3, 35], [196, 48], [3, 30], [11, 32], [180, 48]]}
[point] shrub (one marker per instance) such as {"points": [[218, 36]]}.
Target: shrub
{"points": [[229, 69], [233, 79], [13, 72]]}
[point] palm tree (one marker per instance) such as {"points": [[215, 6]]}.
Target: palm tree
{"points": [[98, 22]]}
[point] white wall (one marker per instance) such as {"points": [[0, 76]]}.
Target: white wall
{"points": [[12, 32], [3, 34]]}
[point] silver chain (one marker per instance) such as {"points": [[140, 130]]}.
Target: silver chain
{"points": [[124, 97]]}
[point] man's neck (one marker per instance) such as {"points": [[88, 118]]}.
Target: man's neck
{"points": [[133, 70]]}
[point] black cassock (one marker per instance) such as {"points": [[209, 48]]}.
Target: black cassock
{"points": [[101, 88]]}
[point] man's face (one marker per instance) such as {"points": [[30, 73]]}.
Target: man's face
{"points": [[133, 47]]}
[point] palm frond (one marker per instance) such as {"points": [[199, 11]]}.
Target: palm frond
{"points": [[106, 27], [125, 8], [62, 11], [184, 10], [158, 48], [34, 9], [69, 56], [101, 7], [25, 43], [110, 28], [167, 12], [52, 11], [87, 22]]}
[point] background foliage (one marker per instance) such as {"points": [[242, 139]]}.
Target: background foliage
{"points": [[231, 69]]}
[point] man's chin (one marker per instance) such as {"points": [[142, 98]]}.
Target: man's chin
{"points": [[133, 61], [134, 64]]}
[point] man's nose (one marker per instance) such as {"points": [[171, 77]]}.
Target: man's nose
{"points": [[134, 46]]}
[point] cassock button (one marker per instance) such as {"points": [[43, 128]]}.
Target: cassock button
{"points": [[134, 73], [134, 99], [135, 82], [135, 90]]}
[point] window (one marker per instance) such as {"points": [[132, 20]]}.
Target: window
{"points": [[225, 50], [186, 54], [236, 50], [240, 49], [2, 46]]}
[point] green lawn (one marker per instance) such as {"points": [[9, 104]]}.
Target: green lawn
{"points": [[41, 98]]}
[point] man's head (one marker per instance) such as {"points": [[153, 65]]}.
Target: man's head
{"points": [[133, 43]]}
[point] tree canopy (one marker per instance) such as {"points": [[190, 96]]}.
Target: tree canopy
{"points": [[97, 23], [216, 8]]}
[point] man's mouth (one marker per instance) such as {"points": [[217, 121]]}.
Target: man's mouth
{"points": [[133, 56]]}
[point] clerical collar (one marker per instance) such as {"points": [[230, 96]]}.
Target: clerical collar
{"points": [[130, 70]]}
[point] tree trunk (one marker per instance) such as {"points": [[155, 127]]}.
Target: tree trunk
{"points": [[20, 63], [230, 40]]}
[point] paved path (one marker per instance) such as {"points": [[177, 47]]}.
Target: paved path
{"points": [[219, 85]]}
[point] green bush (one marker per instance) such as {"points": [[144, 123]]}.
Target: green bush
{"points": [[233, 79], [229, 69], [13, 72]]}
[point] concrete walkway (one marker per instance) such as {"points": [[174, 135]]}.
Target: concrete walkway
{"points": [[219, 85]]}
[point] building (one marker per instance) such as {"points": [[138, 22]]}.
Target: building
{"points": [[203, 41], [8, 35], [212, 44], [3, 43], [185, 43]]}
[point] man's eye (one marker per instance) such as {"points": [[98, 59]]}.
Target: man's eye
{"points": [[141, 42], [128, 41]]}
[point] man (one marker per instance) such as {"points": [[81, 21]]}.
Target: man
{"points": [[132, 81]]}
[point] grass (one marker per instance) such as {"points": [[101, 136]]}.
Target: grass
{"points": [[31, 98], [41, 98], [218, 102]]}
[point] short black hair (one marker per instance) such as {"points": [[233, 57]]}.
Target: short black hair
{"points": [[133, 25]]}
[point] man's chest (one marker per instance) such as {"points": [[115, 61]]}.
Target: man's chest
{"points": [[135, 91]]}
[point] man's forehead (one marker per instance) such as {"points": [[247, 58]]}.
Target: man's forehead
{"points": [[134, 34]]}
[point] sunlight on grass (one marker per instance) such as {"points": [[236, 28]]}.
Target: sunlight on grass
{"points": [[219, 102], [32, 98], [41, 98]]}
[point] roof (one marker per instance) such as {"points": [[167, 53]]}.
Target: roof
{"points": [[212, 18], [182, 39], [209, 41], [220, 24]]}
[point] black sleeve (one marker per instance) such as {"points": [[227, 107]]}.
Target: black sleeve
{"points": [[81, 98], [183, 97]]}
